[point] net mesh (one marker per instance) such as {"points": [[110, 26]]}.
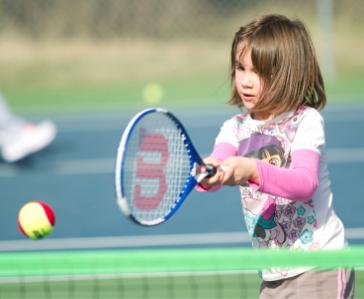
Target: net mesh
{"points": [[156, 167], [187, 273]]}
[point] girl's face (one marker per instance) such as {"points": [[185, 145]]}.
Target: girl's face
{"points": [[248, 83]]}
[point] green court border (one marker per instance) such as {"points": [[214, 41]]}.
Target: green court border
{"points": [[53, 263]]}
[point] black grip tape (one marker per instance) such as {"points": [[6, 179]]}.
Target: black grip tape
{"points": [[211, 170]]}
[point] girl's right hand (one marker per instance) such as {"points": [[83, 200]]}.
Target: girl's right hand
{"points": [[215, 179]]}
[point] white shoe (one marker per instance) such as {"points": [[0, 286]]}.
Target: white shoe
{"points": [[22, 141]]}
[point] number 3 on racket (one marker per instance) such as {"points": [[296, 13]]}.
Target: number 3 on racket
{"points": [[155, 167]]}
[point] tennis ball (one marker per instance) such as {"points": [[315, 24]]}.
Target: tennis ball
{"points": [[36, 220], [153, 93]]}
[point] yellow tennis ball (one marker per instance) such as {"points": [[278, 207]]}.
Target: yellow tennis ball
{"points": [[153, 93], [36, 220]]}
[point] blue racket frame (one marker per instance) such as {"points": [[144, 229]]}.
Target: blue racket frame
{"points": [[191, 182]]}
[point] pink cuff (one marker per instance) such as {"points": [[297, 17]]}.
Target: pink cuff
{"points": [[202, 188]]}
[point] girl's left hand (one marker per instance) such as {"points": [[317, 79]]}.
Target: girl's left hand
{"points": [[238, 170]]}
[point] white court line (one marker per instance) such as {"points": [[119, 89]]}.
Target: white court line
{"points": [[84, 166], [127, 241], [104, 166], [345, 155], [229, 238]]}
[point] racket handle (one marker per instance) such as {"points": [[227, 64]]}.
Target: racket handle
{"points": [[211, 170]]}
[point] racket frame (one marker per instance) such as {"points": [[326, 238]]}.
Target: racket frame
{"points": [[191, 182]]}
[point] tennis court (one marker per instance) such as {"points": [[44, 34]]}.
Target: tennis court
{"points": [[75, 176]]}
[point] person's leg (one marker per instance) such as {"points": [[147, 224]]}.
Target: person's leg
{"points": [[7, 118]]}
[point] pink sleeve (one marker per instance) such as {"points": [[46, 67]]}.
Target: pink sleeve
{"points": [[221, 152], [298, 182]]}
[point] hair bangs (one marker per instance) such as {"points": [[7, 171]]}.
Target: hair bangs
{"points": [[264, 55]]}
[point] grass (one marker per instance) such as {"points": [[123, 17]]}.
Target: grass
{"points": [[83, 75], [177, 92], [117, 96]]}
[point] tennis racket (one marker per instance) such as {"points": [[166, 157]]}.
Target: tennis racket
{"points": [[156, 167]]}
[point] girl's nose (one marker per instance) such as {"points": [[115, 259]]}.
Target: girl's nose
{"points": [[247, 82]]}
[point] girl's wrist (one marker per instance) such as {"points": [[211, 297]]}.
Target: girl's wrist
{"points": [[253, 171]]}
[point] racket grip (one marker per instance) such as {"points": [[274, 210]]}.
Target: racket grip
{"points": [[211, 170]]}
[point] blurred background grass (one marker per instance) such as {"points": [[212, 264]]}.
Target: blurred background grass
{"points": [[65, 55]]}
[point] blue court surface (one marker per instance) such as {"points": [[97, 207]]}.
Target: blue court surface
{"points": [[76, 176]]}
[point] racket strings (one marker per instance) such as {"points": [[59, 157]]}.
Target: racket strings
{"points": [[157, 167]]}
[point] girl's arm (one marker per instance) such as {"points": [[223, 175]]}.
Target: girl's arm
{"points": [[298, 182]]}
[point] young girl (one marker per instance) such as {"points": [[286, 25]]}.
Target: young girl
{"points": [[275, 153]]}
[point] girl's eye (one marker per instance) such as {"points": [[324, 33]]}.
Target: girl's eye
{"points": [[239, 67]]}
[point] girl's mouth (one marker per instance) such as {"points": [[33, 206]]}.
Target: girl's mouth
{"points": [[248, 97]]}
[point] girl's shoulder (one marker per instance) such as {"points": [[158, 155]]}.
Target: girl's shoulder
{"points": [[308, 114], [306, 110], [302, 114]]}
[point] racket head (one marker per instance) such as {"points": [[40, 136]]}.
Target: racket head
{"points": [[155, 167]]}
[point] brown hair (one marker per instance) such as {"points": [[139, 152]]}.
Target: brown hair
{"points": [[284, 57]]}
